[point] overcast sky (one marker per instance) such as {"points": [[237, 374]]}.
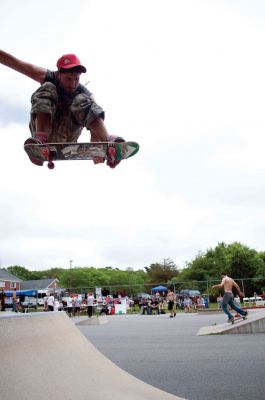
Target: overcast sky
{"points": [[185, 79]]}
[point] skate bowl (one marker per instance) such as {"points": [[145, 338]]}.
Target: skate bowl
{"points": [[44, 355], [255, 323]]}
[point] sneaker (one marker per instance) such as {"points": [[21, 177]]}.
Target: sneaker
{"points": [[245, 314], [38, 138], [113, 152], [231, 319]]}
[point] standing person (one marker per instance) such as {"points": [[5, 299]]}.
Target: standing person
{"points": [[45, 303], [69, 305], [50, 302], [56, 305], [14, 300], [220, 300], [228, 299], [90, 303], [62, 107], [76, 304], [171, 299], [2, 298]]}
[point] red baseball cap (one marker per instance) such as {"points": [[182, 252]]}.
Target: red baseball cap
{"points": [[68, 61]]}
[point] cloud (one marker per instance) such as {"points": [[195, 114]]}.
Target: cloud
{"points": [[185, 80], [10, 113]]}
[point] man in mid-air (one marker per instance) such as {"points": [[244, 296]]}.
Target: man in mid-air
{"points": [[61, 106]]}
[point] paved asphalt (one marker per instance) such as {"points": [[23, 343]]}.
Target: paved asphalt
{"points": [[166, 353]]}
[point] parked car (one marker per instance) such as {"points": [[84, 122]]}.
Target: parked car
{"points": [[140, 296], [8, 302], [28, 302], [191, 293]]}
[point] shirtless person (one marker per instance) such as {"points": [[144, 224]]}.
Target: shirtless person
{"points": [[171, 299], [61, 106], [228, 299]]}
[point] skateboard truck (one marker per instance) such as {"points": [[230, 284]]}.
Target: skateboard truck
{"points": [[48, 154]]}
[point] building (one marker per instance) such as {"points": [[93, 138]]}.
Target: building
{"points": [[40, 284], [43, 286], [9, 281]]}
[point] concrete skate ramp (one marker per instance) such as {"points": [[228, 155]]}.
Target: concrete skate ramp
{"points": [[44, 356], [255, 323]]}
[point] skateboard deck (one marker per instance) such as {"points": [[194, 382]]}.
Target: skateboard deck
{"points": [[236, 319], [51, 152]]}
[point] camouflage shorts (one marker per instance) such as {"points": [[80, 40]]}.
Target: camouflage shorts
{"points": [[68, 115]]}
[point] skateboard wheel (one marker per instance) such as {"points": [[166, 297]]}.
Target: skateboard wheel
{"points": [[51, 165]]}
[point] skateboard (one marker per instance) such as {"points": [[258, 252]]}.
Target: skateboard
{"points": [[235, 319], [51, 152]]}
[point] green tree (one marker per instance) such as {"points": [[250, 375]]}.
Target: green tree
{"points": [[19, 272], [74, 278], [161, 272], [237, 260]]}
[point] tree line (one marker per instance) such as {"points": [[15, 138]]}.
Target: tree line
{"points": [[237, 260]]}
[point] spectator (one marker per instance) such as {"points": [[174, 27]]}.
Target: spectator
{"points": [[50, 302], [69, 305], [178, 303], [105, 292], [45, 303], [155, 306], [187, 304], [171, 299], [90, 303], [14, 300], [2, 298], [162, 306], [237, 300], [200, 302], [76, 304], [143, 306], [56, 305], [220, 300], [104, 309]]}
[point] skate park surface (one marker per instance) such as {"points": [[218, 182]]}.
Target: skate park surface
{"points": [[254, 323], [49, 356], [43, 355]]}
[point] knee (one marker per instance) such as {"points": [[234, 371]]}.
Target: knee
{"points": [[85, 110]]}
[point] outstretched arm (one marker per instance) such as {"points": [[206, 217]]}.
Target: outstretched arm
{"points": [[30, 70], [219, 286], [241, 294]]}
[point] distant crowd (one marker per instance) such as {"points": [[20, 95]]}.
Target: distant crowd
{"points": [[169, 301]]}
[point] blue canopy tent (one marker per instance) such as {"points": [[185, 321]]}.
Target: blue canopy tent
{"points": [[159, 288], [29, 293]]}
